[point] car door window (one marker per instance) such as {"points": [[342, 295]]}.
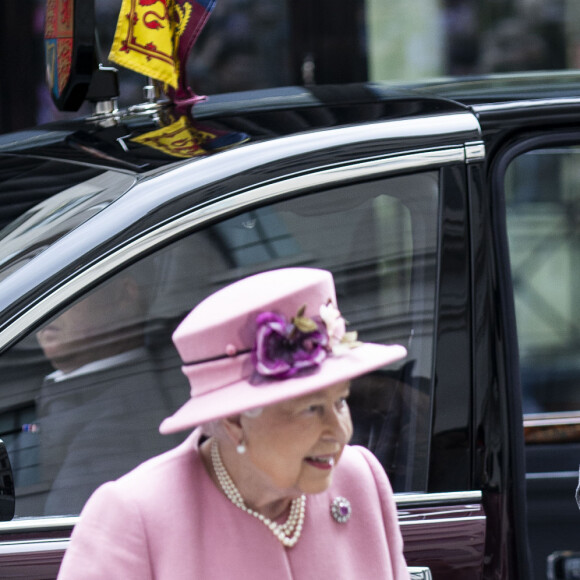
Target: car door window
{"points": [[543, 221], [83, 395]]}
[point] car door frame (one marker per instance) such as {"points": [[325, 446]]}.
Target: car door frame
{"points": [[549, 477], [227, 184]]}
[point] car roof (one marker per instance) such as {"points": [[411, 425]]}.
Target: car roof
{"points": [[269, 113], [252, 115], [501, 88], [75, 150]]}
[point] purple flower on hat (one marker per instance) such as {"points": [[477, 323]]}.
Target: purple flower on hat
{"points": [[284, 348]]}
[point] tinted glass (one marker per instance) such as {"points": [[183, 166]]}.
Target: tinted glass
{"points": [[543, 213], [40, 201], [82, 397], [24, 182]]}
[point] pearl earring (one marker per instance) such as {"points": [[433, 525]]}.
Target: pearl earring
{"points": [[241, 448]]}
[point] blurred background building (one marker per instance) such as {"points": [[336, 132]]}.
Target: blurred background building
{"points": [[251, 44]]}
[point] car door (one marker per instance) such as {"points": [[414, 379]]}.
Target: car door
{"points": [[385, 206], [537, 175]]}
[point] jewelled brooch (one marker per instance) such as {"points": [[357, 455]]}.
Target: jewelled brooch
{"points": [[340, 509]]}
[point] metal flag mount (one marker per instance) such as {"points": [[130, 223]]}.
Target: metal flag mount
{"points": [[69, 40], [155, 37]]}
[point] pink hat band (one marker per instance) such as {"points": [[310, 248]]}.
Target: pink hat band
{"points": [[267, 338], [206, 376]]}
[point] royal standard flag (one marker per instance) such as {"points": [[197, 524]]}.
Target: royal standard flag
{"points": [[151, 36], [187, 138], [179, 139]]}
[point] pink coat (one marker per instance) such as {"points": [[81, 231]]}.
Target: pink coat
{"points": [[166, 520]]}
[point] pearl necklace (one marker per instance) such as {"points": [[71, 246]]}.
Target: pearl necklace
{"points": [[288, 532]]}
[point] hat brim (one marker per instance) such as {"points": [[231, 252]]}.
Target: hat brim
{"points": [[243, 396]]}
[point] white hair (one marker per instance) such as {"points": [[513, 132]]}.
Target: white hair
{"points": [[212, 427]]}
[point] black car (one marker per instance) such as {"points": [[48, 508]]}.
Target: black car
{"points": [[448, 213]]}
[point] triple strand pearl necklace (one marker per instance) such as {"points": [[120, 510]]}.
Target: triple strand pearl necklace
{"points": [[288, 532]]}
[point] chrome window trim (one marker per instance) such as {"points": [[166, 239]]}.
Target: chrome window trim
{"points": [[46, 545], [249, 156], [474, 151], [434, 521], [551, 419], [36, 525], [404, 500], [573, 475], [421, 159], [525, 104]]}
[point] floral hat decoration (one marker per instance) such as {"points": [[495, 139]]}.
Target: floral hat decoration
{"points": [[265, 339]]}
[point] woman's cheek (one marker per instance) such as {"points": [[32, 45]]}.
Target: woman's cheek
{"points": [[348, 428]]}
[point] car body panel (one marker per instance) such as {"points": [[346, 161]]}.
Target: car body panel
{"points": [[470, 519], [163, 205], [422, 517]]}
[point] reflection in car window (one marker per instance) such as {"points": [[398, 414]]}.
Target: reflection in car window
{"points": [[25, 182], [76, 201], [82, 397], [543, 209]]}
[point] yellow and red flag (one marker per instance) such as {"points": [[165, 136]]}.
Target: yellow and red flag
{"points": [[179, 139], [186, 138], [154, 37]]}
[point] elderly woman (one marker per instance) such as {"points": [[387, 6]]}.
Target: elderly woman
{"points": [[266, 486]]}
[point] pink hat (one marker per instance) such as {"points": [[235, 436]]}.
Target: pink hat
{"points": [[267, 338]]}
